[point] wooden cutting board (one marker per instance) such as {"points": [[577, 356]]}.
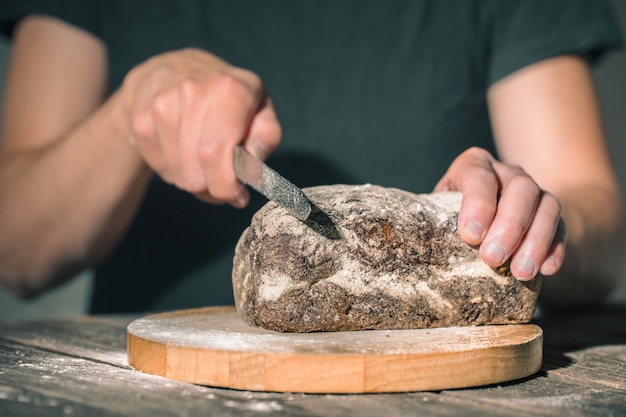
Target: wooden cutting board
{"points": [[213, 346]]}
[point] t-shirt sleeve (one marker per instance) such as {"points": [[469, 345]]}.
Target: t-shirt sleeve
{"points": [[525, 32], [79, 13]]}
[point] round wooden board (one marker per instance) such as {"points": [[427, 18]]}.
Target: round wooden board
{"points": [[213, 346]]}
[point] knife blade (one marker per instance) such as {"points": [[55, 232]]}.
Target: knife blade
{"points": [[252, 171]]}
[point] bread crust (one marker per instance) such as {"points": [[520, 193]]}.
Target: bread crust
{"points": [[395, 261]]}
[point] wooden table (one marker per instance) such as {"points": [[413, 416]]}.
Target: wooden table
{"points": [[78, 367]]}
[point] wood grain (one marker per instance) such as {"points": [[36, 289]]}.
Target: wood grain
{"points": [[41, 374], [213, 346]]}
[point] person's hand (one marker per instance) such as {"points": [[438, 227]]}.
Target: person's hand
{"points": [[505, 212], [188, 110]]}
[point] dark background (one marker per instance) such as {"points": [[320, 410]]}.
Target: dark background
{"points": [[610, 75]]}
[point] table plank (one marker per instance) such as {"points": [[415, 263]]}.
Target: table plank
{"points": [[583, 372], [97, 338], [78, 366], [596, 366], [40, 382], [553, 394]]}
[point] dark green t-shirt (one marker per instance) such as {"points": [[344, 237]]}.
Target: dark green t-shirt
{"points": [[384, 92]]}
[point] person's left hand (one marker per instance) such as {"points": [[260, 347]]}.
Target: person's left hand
{"points": [[507, 214]]}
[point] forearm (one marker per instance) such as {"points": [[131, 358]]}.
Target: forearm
{"points": [[65, 205], [596, 243], [546, 120]]}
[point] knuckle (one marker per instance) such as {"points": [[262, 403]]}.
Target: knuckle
{"points": [[242, 85], [515, 226], [189, 89], [479, 174], [478, 152], [208, 152], [141, 127], [482, 209], [524, 183], [161, 105], [192, 182], [228, 85], [552, 204]]}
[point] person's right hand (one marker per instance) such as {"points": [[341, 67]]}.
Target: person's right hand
{"points": [[188, 110]]}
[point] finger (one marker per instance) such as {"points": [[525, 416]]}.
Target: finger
{"points": [[556, 253], [193, 172], [480, 192], [191, 129], [144, 135], [265, 132], [207, 198], [226, 123], [472, 174], [536, 243], [166, 115], [515, 212]]}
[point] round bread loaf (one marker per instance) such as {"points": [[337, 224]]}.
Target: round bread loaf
{"points": [[373, 258]]}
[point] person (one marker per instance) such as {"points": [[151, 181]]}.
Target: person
{"points": [[120, 120]]}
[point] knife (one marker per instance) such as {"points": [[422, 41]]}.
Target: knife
{"points": [[252, 171]]}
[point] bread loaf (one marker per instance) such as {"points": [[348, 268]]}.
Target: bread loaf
{"points": [[383, 258]]}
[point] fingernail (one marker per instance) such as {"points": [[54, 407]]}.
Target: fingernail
{"points": [[527, 266], [496, 252], [474, 230], [259, 150], [550, 266], [241, 200]]}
